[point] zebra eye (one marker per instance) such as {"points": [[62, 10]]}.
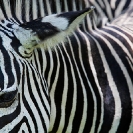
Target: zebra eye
{"points": [[7, 99]]}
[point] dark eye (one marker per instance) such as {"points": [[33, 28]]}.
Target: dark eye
{"points": [[7, 99]]}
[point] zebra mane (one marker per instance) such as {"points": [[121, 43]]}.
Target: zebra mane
{"points": [[26, 10], [14, 9], [7, 11]]}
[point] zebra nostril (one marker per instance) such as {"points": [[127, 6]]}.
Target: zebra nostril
{"points": [[7, 99]]}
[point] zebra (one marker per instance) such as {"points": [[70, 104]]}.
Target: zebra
{"points": [[20, 77], [77, 85], [25, 11]]}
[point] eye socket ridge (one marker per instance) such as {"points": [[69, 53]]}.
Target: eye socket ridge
{"points": [[7, 98]]}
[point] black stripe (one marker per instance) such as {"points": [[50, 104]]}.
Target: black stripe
{"points": [[33, 98], [80, 96], [25, 101], [17, 68], [3, 9], [23, 13], [120, 38], [120, 82], [7, 65], [6, 119], [69, 94], [122, 55], [58, 93], [5, 31], [109, 105], [54, 57], [18, 126], [39, 92], [48, 65], [127, 4], [86, 63]]}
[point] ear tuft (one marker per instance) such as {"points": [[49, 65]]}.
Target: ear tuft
{"points": [[49, 30]]}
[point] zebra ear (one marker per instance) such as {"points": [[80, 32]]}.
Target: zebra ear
{"points": [[49, 30]]}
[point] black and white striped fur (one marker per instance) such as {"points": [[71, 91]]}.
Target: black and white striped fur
{"points": [[88, 80]]}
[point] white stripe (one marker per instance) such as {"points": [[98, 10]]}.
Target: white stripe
{"points": [[80, 5], [66, 5], [85, 103], [108, 10], [18, 10], [23, 128], [130, 63], [30, 101], [52, 94], [44, 61], [101, 13], [2, 64], [34, 9], [96, 81], [73, 6], [118, 41], [89, 22], [27, 10], [74, 101], [13, 71], [37, 97], [1, 15], [112, 4], [48, 7], [123, 35], [7, 7], [101, 4], [7, 128], [58, 6], [36, 58], [11, 125], [64, 95], [41, 4], [92, 89], [23, 112], [42, 88], [118, 111], [120, 7], [51, 67], [131, 124]]}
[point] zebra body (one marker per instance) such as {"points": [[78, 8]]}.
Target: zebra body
{"points": [[82, 85], [101, 76]]}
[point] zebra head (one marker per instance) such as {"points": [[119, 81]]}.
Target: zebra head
{"points": [[19, 76]]}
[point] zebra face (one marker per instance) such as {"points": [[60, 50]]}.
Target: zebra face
{"points": [[47, 31]]}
